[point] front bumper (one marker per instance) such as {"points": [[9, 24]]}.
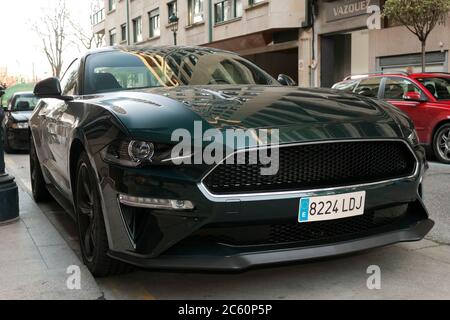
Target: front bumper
{"points": [[168, 238]]}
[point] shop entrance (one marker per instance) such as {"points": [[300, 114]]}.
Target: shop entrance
{"points": [[285, 61], [342, 55]]}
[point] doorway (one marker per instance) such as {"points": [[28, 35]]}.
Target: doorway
{"points": [[343, 55]]}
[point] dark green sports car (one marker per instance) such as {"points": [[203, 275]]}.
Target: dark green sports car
{"points": [[135, 143]]}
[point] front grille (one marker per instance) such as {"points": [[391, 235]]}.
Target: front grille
{"points": [[306, 233], [315, 166]]}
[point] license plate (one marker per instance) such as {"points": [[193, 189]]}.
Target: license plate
{"points": [[333, 207]]}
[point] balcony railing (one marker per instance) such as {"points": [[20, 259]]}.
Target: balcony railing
{"points": [[98, 17]]}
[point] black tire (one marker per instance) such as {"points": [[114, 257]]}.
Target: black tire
{"points": [[441, 143], [6, 145], [38, 185], [91, 225]]}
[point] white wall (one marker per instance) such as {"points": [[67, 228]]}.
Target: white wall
{"points": [[360, 51]]}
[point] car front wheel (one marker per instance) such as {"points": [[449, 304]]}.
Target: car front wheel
{"points": [[441, 144], [38, 185], [91, 226]]}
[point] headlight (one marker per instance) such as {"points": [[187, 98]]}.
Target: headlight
{"points": [[140, 151], [135, 153], [413, 138], [20, 125]]}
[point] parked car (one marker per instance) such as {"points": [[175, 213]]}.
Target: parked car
{"points": [[16, 132], [349, 174], [425, 97]]}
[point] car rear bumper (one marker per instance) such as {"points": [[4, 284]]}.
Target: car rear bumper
{"points": [[183, 258]]}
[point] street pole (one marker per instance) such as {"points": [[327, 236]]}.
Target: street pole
{"points": [[9, 194], [173, 20]]}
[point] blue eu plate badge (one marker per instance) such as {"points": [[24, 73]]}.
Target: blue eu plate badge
{"points": [[304, 210]]}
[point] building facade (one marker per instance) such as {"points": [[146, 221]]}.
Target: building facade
{"points": [[351, 37], [262, 30], [316, 42]]}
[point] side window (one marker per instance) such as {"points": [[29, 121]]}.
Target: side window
{"points": [[369, 87], [69, 81], [396, 88]]}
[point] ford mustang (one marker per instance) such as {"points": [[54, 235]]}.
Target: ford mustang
{"points": [[348, 174]]}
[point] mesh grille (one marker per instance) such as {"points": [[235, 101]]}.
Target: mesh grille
{"points": [[320, 232], [315, 166]]}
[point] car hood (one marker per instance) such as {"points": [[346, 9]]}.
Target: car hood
{"points": [[21, 116], [299, 114]]}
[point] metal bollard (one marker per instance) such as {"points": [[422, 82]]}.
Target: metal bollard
{"points": [[9, 193]]}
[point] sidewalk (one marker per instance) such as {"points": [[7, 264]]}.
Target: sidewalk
{"points": [[34, 259]]}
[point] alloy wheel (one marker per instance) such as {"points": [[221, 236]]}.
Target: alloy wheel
{"points": [[33, 168], [443, 144], [86, 207]]}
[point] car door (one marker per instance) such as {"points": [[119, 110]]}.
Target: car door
{"points": [[58, 124], [394, 89]]}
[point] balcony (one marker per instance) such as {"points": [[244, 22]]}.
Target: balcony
{"points": [[97, 20]]}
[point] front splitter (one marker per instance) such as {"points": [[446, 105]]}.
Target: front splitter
{"points": [[248, 260]]}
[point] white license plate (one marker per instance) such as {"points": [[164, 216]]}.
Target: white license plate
{"points": [[333, 207]]}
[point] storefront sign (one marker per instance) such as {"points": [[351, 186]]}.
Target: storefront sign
{"points": [[343, 9]]}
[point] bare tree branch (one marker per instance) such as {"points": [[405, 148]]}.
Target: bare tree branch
{"points": [[83, 35], [51, 29]]}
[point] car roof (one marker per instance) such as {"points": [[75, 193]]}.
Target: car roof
{"points": [[163, 50], [430, 75], [398, 74], [24, 93]]}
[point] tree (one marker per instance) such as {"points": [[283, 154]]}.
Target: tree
{"points": [[53, 32], [419, 16], [82, 33]]}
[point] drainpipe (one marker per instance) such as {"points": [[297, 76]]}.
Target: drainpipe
{"points": [[311, 14], [210, 24], [128, 22]]}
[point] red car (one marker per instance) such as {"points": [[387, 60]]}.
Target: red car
{"points": [[425, 97]]}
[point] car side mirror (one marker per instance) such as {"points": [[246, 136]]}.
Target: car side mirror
{"points": [[285, 80], [413, 96], [50, 88]]}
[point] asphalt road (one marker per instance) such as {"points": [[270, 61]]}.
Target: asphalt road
{"points": [[408, 271]]}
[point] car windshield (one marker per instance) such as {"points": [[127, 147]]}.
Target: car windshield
{"points": [[24, 103], [124, 70], [438, 87]]}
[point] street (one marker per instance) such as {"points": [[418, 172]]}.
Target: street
{"points": [[408, 271]]}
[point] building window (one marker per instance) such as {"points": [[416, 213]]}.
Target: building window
{"points": [[98, 16], [195, 11], [112, 37], [137, 30], [155, 30], [111, 5], [123, 32], [172, 9], [227, 9]]}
